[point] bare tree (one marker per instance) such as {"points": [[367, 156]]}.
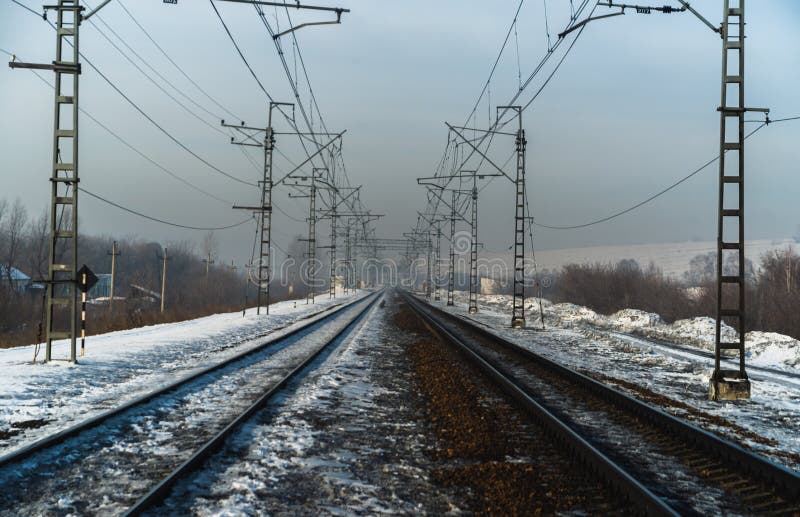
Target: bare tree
{"points": [[37, 246], [13, 233]]}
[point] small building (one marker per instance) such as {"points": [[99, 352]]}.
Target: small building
{"points": [[12, 276], [102, 289]]}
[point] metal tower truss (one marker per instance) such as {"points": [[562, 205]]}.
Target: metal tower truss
{"points": [[726, 383], [62, 276], [251, 138], [473, 251]]}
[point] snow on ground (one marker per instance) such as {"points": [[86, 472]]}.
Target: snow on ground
{"points": [[344, 440], [672, 257], [38, 399], [766, 349], [637, 347]]}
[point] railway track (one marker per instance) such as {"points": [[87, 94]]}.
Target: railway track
{"points": [[661, 464], [126, 459]]}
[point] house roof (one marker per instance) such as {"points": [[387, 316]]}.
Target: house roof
{"points": [[16, 274]]}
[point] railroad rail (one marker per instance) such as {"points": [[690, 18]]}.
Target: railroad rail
{"points": [[301, 343], [661, 464]]}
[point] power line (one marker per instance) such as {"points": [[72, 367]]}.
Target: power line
{"points": [[496, 61], [212, 99], [132, 148], [168, 223], [241, 55], [540, 66], [156, 72], [656, 195], [148, 117]]}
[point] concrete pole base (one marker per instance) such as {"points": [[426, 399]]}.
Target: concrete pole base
{"points": [[518, 323], [728, 385]]}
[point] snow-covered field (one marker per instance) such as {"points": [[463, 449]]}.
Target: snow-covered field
{"points": [[38, 399], [639, 348]]}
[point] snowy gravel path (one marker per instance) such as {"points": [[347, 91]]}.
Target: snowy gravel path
{"points": [[344, 442], [38, 399]]}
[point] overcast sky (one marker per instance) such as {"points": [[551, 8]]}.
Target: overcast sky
{"points": [[632, 109]]}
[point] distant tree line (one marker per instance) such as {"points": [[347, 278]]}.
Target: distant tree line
{"points": [[772, 294], [24, 245]]}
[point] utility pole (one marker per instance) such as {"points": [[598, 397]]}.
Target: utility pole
{"points": [[724, 384], [114, 254], [207, 262], [348, 259], [518, 305], [731, 384], [265, 210], [164, 278], [473, 253], [451, 271], [438, 263], [435, 185], [429, 250], [332, 290], [62, 279], [310, 255]]}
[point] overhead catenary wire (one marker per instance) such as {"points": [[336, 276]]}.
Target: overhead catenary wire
{"points": [[433, 202], [147, 116], [178, 67], [156, 72], [162, 221], [657, 194], [132, 147]]}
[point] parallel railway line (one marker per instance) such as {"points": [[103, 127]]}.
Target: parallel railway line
{"points": [[660, 463], [109, 462]]}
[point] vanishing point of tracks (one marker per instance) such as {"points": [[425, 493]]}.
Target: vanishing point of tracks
{"points": [[660, 464], [127, 459]]}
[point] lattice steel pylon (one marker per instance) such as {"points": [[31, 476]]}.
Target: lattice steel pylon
{"points": [[62, 281], [311, 254], [264, 275], [518, 307], [438, 262], [428, 264], [451, 271], [347, 259], [473, 252], [725, 383], [264, 270], [332, 288]]}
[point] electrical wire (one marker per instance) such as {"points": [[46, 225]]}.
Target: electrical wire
{"points": [[239, 50], [649, 199], [131, 147], [162, 221], [212, 99], [496, 61], [156, 72], [148, 117]]}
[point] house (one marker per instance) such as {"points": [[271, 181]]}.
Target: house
{"points": [[19, 281], [102, 289]]}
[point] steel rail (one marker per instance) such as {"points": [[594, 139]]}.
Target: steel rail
{"points": [[162, 490], [58, 437], [622, 482], [785, 480]]}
